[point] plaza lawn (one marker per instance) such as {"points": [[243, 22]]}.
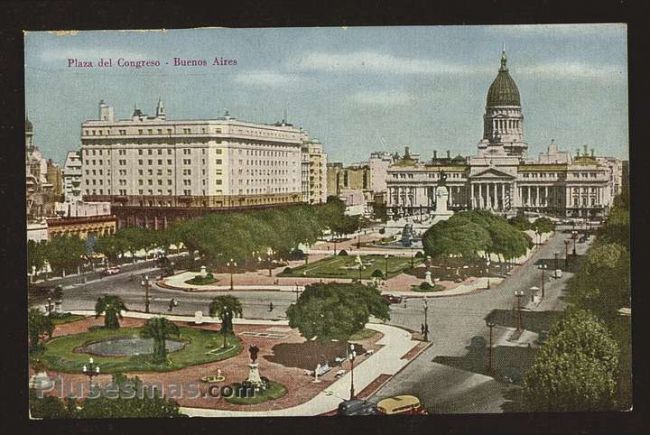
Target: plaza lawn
{"points": [[202, 280], [364, 334], [202, 346], [346, 266], [434, 288], [275, 391], [62, 318]]}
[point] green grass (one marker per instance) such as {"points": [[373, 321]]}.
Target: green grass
{"points": [[200, 280], [275, 391], [363, 334], [60, 319], [346, 266], [60, 354], [435, 288]]}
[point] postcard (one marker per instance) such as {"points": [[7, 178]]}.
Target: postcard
{"points": [[403, 220]]}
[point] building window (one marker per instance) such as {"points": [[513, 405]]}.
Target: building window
{"points": [[140, 152], [219, 161]]}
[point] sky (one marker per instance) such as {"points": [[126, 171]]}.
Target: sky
{"points": [[356, 89]]}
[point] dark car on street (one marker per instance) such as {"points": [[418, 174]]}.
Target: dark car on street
{"points": [[357, 407], [392, 299]]}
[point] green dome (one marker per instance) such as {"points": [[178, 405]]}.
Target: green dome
{"points": [[503, 90]]}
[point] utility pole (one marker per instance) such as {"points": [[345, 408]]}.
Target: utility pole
{"points": [[519, 294], [490, 325], [426, 323], [145, 284]]}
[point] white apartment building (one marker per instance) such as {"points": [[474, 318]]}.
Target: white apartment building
{"points": [[72, 177], [156, 163]]}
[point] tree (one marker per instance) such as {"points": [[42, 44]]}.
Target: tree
{"points": [[575, 370], [111, 307], [111, 246], [568, 382], [603, 283], [65, 252], [225, 308], [544, 225], [36, 255], [159, 328], [336, 311], [520, 222], [122, 398], [38, 325], [455, 237]]}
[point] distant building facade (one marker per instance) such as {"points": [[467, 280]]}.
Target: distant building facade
{"points": [[154, 170], [72, 177], [500, 177], [41, 180]]}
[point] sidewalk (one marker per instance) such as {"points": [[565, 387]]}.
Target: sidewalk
{"points": [[396, 343], [468, 286]]}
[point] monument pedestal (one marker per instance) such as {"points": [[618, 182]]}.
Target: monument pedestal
{"points": [[254, 375]]}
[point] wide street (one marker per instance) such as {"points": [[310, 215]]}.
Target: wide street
{"points": [[448, 377]]}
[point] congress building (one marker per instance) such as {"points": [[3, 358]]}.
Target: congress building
{"points": [[501, 177]]}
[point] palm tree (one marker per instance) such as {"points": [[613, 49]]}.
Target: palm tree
{"points": [[225, 308], [38, 325], [159, 328], [111, 307]]}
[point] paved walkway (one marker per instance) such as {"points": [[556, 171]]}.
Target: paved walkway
{"points": [[388, 360]]}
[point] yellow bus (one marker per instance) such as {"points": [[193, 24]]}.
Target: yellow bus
{"points": [[404, 404]]}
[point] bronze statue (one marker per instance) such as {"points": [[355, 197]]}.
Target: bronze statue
{"points": [[253, 349]]}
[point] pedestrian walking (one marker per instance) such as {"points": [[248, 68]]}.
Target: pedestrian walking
{"points": [[422, 328]]}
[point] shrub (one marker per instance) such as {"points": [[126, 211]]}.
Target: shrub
{"points": [[377, 274], [382, 230], [419, 254], [343, 252], [287, 270], [425, 286]]}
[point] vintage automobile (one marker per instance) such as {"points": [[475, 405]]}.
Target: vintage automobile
{"points": [[392, 299], [401, 405], [357, 407], [110, 271]]}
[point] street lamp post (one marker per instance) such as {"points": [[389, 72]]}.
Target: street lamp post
{"points": [[386, 257], [566, 254], [334, 246], [542, 267], [231, 264], [426, 323], [353, 354], [268, 261], [556, 254], [91, 370], [519, 294], [145, 283], [490, 325], [49, 307], [223, 331], [359, 241], [575, 236], [297, 292]]}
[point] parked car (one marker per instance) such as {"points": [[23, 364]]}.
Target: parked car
{"points": [[392, 299], [357, 407], [401, 405], [110, 271]]}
